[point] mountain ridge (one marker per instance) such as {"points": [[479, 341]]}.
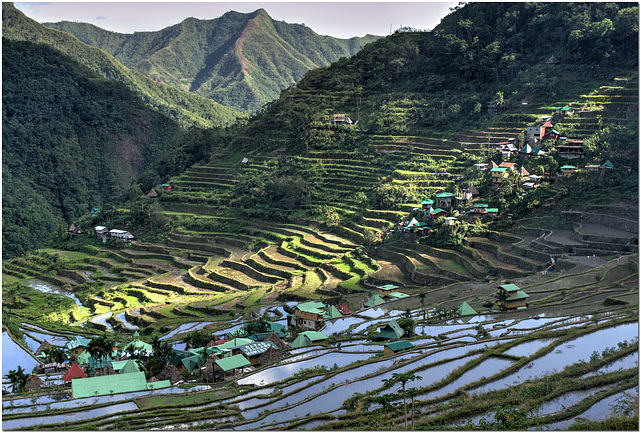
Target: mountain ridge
{"points": [[242, 60]]}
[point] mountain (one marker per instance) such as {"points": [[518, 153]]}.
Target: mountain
{"points": [[239, 60], [71, 140], [187, 108]]}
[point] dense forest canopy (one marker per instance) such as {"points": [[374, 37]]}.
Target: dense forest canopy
{"points": [[71, 140]]}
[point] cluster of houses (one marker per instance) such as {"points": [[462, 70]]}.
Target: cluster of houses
{"points": [[105, 234]]}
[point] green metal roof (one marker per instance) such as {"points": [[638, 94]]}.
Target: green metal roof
{"points": [[444, 195], [567, 108], [234, 343], [478, 205], [234, 362], [332, 312], [492, 210], [108, 384], [192, 362], [519, 296], [256, 348], [311, 307], [399, 345], [388, 287], [398, 295], [84, 357], [567, 167], [314, 336], [498, 169], [426, 202], [391, 331], [509, 287], [465, 309], [300, 342], [607, 164], [130, 367], [138, 345], [77, 342], [375, 300]]}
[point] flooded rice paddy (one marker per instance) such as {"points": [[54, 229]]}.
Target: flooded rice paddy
{"points": [[359, 367]]}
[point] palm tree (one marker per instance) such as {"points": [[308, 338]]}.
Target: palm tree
{"points": [[18, 379], [422, 296], [55, 354], [403, 379], [101, 346]]}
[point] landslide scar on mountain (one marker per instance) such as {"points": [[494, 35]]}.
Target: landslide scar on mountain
{"points": [[243, 61]]}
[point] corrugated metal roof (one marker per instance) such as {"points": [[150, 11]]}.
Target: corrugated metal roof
{"points": [[509, 287], [234, 343], [398, 295], [256, 348], [465, 309], [399, 345], [391, 331], [77, 342], [311, 307], [314, 335], [388, 287], [234, 362], [108, 384], [130, 367]]}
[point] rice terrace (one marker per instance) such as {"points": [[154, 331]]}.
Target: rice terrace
{"points": [[374, 250]]}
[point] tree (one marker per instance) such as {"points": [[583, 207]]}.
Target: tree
{"points": [[501, 297], [162, 354], [422, 295], [384, 400], [55, 354], [101, 346], [402, 379], [18, 379], [412, 393]]}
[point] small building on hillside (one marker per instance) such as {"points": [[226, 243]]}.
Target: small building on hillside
{"points": [[570, 148], [479, 209], [498, 176], [437, 213], [309, 338], [338, 119], [465, 309], [152, 194], [76, 346], [567, 170], [592, 168], [511, 296], [386, 289], [565, 111], [252, 351], [310, 315], [481, 167], [391, 348], [121, 235], [75, 230], [551, 135], [529, 152], [167, 187], [75, 371], [374, 300], [607, 165], [95, 212], [535, 134], [509, 165], [391, 331], [444, 199], [344, 309], [427, 204]]}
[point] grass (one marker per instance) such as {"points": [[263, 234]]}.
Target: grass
{"points": [[9, 279]]}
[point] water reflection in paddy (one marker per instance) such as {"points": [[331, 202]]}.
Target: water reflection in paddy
{"points": [[49, 288], [598, 411], [340, 324], [566, 354], [13, 356], [52, 339], [528, 348], [69, 417], [625, 362], [566, 400], [278, 373], [183, 328], [126, 324], [102, 319]]}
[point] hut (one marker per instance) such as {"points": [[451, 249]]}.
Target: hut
{"points": [[152, 194], [45, 345], [153, 379], [553, 60], [269, 356], [465, 309], [34, 383], [107, 369], [75, 371], [391, 331], [171, 373], [275, 339], [391, 348]]}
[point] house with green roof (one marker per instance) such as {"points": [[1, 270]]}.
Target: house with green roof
{"points": [[309, 338], [390, 331], [310, 315], [427, 204], [111, 384], [444, 199], [568, 170], [76, 346], [510, 296], [374, 300], [465, 309], [252, 351], [391, 348], [237, 361], [385, 289], [138, 347], [607, 165], [498, 175]]}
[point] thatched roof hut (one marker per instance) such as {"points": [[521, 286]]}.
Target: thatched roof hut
{"points": [[208, 370], [34, 383], [277, 341], [153, 379], [105, 370], [171, 373], [269, 356], [152, 194], [45, 345]]}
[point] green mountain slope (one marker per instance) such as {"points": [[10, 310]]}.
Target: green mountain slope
{"points": [[239, 60], [188, 109], [71, 140]]}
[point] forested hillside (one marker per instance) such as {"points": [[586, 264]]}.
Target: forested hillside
{"points": [[186, 108], [71, 140], [239, 60]]}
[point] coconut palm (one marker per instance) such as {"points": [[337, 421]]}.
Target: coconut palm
{"points": [[18, 379]]}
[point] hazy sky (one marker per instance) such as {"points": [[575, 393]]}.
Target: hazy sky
{"points": [[338, 19]]}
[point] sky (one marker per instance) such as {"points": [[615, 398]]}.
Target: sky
{"points": [[337, 19]]}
